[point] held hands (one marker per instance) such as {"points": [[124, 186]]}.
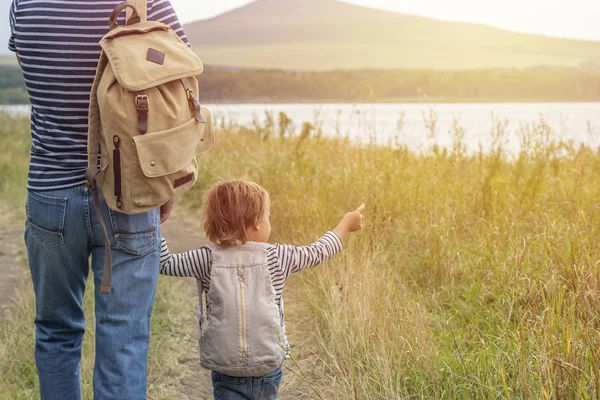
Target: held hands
{"points": [[352, 222], [165, 210]]}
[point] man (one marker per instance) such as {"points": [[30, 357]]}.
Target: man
{"points": [[56, 42]]}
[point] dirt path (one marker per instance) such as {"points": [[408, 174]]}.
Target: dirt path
{"points": [[183, 235]]}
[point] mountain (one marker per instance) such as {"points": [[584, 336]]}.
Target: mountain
{"points": [[328, 34]]}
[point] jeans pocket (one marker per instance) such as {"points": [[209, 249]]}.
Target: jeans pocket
{"points": [[271, 383], [135, 233], [46, 218], [228, 387]]}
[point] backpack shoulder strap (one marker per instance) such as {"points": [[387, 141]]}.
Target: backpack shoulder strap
{"points": [[142, 8], [94, 116], [201, 294], [93, 170]]}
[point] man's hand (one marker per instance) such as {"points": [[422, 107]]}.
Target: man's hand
{"points": [[165, 210], [352, 222]]}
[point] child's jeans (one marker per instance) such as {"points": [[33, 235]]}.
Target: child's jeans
{"points": [[250, 388]]}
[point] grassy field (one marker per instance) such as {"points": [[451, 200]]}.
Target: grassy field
{"points": [[475, 277]]}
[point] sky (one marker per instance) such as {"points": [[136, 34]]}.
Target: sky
{"points": [[579, 19]]}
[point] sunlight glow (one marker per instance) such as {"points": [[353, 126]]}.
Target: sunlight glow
{"points": [[562, 18]]}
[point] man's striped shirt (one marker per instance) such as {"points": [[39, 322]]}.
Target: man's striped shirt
{"points": [[57, 42], [282, 261]]}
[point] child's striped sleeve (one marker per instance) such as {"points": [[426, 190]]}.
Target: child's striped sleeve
{"points": [[194, 263], [295, 259]]}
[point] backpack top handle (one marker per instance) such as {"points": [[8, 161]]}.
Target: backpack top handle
{"points": [[141, 6], [133, 19]]}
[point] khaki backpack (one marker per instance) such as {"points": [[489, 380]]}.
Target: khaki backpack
{"points": [[146, 125]]}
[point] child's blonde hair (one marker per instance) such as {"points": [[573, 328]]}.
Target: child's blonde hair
{"points": [[230, 207]]}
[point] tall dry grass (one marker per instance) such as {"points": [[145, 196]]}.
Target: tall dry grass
{"points": [[476, 275]]}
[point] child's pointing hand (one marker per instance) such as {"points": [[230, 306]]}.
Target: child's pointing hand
{"points": [[355, 219], [352, 222]]}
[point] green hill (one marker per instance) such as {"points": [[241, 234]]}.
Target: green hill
{"points": [[327, 34]]}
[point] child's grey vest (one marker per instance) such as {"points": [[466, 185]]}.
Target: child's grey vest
{"points": [[242, 335]]}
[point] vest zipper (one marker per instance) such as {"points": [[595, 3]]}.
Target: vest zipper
{"points": [[242, 313]]}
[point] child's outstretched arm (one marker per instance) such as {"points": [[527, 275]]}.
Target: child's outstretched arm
{"points": [[295, 259], [194, 263]]}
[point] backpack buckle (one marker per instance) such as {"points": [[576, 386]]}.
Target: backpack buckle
{"points": [[141, 102], [191, 99], [194, 105]]}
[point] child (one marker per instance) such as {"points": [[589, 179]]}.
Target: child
{"points": [[243, 341]]}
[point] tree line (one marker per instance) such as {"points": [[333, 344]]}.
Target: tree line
{"points": [[534, 84], [12, 86], [220, 85]]}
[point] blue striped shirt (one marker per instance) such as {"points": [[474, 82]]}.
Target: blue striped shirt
{"points": [[58, 45]]}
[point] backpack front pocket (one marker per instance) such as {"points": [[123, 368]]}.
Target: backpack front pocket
{"points": [[167, 163]]}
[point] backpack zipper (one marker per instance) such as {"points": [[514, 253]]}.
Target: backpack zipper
{"points": [[117, 169], [242, 313]]}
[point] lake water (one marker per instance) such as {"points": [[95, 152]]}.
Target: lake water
{"points": [[419, 126]]}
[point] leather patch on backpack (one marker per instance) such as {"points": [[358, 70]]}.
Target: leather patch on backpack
{"points": [[183, 180], [155, 56]]}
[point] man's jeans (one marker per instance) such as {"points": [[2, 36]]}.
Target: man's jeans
{"points": [[252, 388], [62, 231]]}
